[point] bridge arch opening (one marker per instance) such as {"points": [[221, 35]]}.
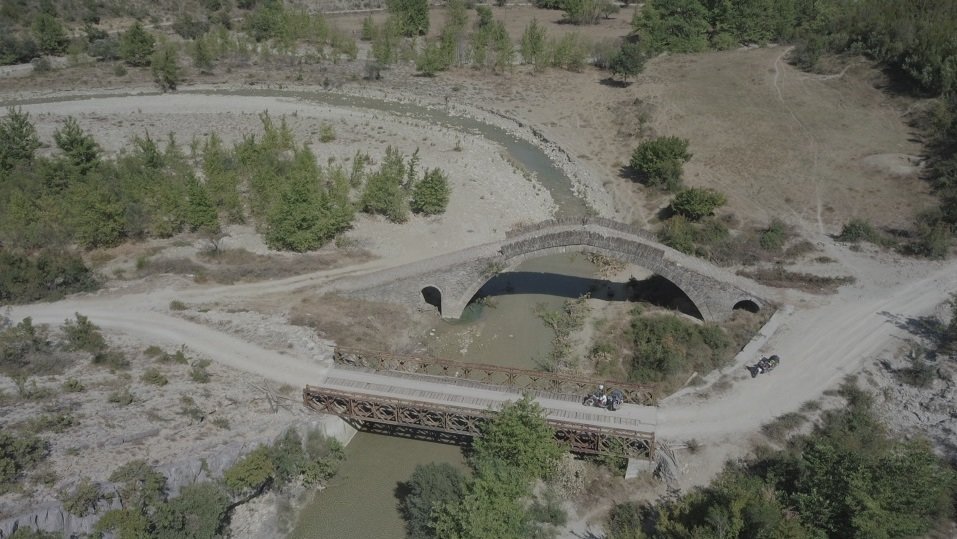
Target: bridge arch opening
{"points": [[655, 289], [433, 296], [746, 305]]}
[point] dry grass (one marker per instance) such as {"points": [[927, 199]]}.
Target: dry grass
{"points": [[362, 324], [779, 277], [239, 265]]}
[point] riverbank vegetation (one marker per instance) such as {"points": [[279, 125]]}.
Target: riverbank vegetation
{"points": [[847, 478], [78, 198], [506, 495]]}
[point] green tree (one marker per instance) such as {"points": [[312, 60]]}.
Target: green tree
{"points": [[430, 487], [100, 221], [659, 161], [198, 512], [533, 44], [19, 453], [252, 473], [518, 436], [200, 213], [165, 67], [136, 46], [18, 139], [82, 500], [383, 194], [412, 16], [202, 56], [49, 33], [430, 195], [141, 487], [83, 335], [491, 507], [628, 61], [78, 145], [432, 59], [672, 25], [695, 203]]}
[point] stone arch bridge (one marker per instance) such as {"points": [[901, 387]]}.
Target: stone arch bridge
{"points": [[450, 281]]}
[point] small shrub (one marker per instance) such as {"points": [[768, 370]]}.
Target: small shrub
{"points": [[693, 445], [155, 377], [153, 351], [82, 500], [41, 65], [326, 132], [774, 237], [165, 68], [122, 398], [857, 230], [50, 423], [221, 422], [198, 372], [83, 335], [177, 305], [778, 429], [73, 386], [119, 70], [114, 359], [696, 203]]}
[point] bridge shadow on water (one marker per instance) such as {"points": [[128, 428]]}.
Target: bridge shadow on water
{"points": [[655, 290]]}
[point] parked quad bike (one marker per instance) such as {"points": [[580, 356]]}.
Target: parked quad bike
{"points": [[766, 365], [613, 400]]}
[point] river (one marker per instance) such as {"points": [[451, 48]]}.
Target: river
{"points": [[505, 330]]}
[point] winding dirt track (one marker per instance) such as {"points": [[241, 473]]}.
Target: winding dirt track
{"points": [[820, 343]]}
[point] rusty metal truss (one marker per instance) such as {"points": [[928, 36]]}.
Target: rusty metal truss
{"points": [[491, 374], [460, 421]]}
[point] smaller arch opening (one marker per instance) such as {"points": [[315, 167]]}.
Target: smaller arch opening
{"points": [[746, 305], [433, 296]]}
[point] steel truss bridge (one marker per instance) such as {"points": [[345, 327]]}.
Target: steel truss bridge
{"points": [[449, 401]]}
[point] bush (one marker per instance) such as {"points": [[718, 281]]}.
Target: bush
{"points": [[628, 61], [78, 146], [519, 437], [533, 45], [83, 335], [327, 133], [198, 372], [122, 398], [136, 46], [73, 385], [188, 28], [430, 196], [383, 194], [16, 51], [412, 16], [666, 348], [49, 33], [165, 68], [857, 230], [82, 500], [430, 486], [696, 203], [48, 275], [659, 161], [774, 237], [41, 65], [18, 454], [252, 473], [155, 377]]}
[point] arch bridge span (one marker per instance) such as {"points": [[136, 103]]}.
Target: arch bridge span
{"points": [[450, 281]]}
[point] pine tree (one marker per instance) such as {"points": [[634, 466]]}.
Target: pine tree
{"points": [[430, 196], [18, 139], [79, 146], [200, 213], [136, 46]]}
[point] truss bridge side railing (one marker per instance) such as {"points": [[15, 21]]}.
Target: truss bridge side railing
{"points": [[456, 420], [491, 374]]}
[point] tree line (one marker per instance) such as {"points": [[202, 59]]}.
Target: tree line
{"points": [[848, 478], [77, 198]]}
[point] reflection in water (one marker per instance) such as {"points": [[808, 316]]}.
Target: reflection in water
{"points": [[361, 502]]}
